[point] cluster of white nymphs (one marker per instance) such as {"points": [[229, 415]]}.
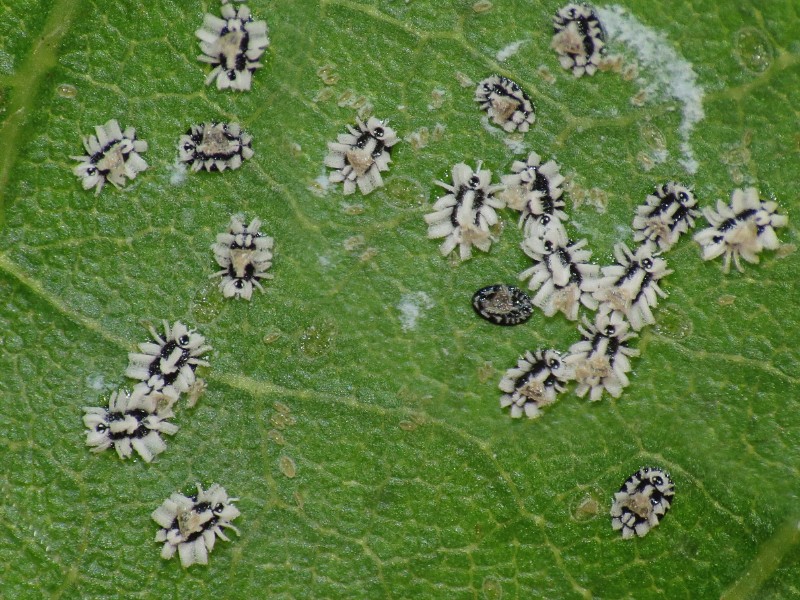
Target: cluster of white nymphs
{"points": [[190, 525], [112, 155], [131, 422], [599, 362], [742, 228], [232, 44], [506, 103], [561, 274], [245, 255], [360, 155], [578, 38], [464, 215], [166, 365], [535, 381], [642, 502], [215, 146], [665, 216]]}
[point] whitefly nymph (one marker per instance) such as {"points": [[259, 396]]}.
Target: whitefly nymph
{"points": [[464, 215], [190, 525], [642, 502], [562, 276], [360, 155], [167, 364], [232, 44], [130, 423], [578, 38], [600, 361], [502, 304], [631, 286], [215, 146], [506, 103], [665, 215], [536, 381], [244, 255], [111, 155], [535, 189], [741, 229]]}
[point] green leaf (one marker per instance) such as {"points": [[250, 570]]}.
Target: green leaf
{"points": [[369, 452]]}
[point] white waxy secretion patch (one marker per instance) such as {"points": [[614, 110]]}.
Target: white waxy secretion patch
{"points": [[600, 361], [631, 286], [464, 215], [642, 502], [190, 525], [360, 155], [578, 38], [215, 146], [742, 228], [132, 422], [665, 215], [233, 45], [562, 275], [166, 365], [535, 382], [506, 103], [245, 255], [111, 155]]}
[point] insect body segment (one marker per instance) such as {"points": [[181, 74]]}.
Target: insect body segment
{"points": [[631, 286], [191, 524], [112, 155], [361, 155], [665, 215], [506, 103], [535, 382], [742, 228], [642, 502], [600, 361], [215, 146], [464, 215], [245, 255], [130, 423], [578, 38], [233, 45]]}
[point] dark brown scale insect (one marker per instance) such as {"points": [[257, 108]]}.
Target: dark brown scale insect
{"points": [[502, 304]]}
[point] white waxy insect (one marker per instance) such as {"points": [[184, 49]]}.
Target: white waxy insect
{"points": [[631, 286], [742, 228], [642, 502], [130, 423], [535, 189], [665, 215], [232, 44], [562, 275], [535, 382], [111, 155], [166, 365], [578, 38], [215, 146], [190, 525], [245, 255], [360, 155], [464, 215], [600, 361], [506, 103]]}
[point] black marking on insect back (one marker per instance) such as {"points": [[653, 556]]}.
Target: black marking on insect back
{"points": [[502, 304]]}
